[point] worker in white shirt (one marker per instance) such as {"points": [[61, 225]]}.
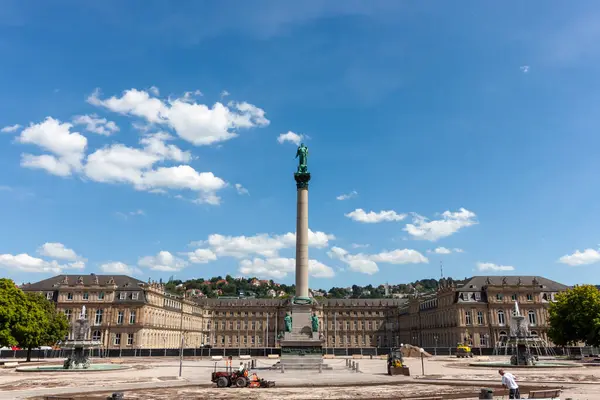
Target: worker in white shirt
{"points": [[510, 382], [241, 368]]}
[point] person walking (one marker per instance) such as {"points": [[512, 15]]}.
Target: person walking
{"points": [[510, 382]]}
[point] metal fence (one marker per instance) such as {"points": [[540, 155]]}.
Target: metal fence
{"points": [[263, 352]]}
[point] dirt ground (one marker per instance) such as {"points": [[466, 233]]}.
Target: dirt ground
{"points": [[412, 391]]}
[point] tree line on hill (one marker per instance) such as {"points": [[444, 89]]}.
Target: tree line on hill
{"points": [[29, 320], [230, 286]]}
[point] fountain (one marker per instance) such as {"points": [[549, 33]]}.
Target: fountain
{"points": [[521, 341], [79, 344], [520, 344], [78, 359]]}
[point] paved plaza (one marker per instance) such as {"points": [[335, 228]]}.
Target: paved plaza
{"points": [[154, 378]]}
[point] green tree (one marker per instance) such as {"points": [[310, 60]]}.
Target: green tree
{"points": [[42, 325], [575, 316], [11, 311]]}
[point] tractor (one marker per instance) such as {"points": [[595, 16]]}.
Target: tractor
{"points": [[463, 351], [230, 378], [395, 360]]}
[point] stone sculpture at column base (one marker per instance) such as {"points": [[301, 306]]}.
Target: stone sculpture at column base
{"points": [[302, 348]]}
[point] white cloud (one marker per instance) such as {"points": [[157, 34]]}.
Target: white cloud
{"points": [[224, 93], [201, 256], [155, 144], [280, 267], [444, 250], [94, 124], [347, 196], [588, 256], [290, 137], [193, 122], [68, 147], [524, 68], [126, 215], [240, 189], [373, 217], [154, 90], [11, 128], [359, 245], [121, 164], [163, 261], [26, 263], [493, 267], [450, 223], [58, 251], [367, 263], [119, 268], [261, 244]]}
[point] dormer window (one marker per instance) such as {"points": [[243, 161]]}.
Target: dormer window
{"points": [[49, 295], [134, 296], [86, 295], [122, 295]]}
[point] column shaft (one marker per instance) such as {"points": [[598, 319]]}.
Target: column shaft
{"points": [[302, 243]]}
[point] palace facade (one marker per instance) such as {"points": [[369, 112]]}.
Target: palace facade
{"points": [[128, 313]]}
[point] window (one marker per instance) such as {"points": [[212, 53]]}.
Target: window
{"points": [[468, 317], [96, 335], [122, 295], [513, 297], [252, 340], [482, 342], [135, 295], [253, 325], [86, 295], [49, 295], [532, 318], [117, 339], [98, 319], [499, 296], [529, 297], [223, 325], [245, 339], [355, 324], [239, 324], [222, 339], [501, 320], [347, 324], [101, 296], [370, 325], [68, 314], [70, 296], [132, 317], [534, 333], [479, 318], [545, 296], [129, 339], [120, 317], [230, 324]]}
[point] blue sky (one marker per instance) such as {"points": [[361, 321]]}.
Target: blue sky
{"points": [[142, 138]]}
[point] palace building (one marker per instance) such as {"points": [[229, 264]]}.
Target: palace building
{"points": [[125, 312]]}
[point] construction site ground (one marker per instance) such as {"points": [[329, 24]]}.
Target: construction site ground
{"points": [[157, 378]]}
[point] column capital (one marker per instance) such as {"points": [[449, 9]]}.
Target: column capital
{"points": [[302, 179]]}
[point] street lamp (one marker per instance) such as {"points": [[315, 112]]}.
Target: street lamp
{"points": [[422, 350], [435, 348]]}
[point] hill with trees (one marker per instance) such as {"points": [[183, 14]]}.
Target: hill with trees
{"points": [[254, 287]]}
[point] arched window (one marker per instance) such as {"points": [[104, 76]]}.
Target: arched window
{"points": [[532, 318], [501, 320], [534, 333]]}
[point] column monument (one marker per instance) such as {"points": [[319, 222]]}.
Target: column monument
{"points": [[302, 177], [301, 345]]}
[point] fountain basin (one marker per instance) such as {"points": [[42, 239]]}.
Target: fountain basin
{"points": [[60, 368], [501, 364]]}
